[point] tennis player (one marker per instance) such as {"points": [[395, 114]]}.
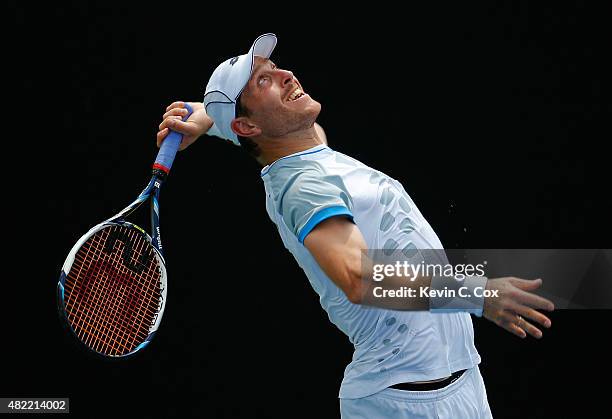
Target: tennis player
{"points": [[329, 208]]}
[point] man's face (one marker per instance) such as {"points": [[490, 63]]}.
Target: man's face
{"points": [[276, 101]]}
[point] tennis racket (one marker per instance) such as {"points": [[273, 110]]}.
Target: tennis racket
{"points": [[112, 288]]}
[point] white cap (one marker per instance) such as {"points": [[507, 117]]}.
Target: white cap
{"points": [[227, 83]]}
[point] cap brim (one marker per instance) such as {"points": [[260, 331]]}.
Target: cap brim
{"points": [[262, 47]]}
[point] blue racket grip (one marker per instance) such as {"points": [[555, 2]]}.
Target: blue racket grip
{"points": [[170, 146]]}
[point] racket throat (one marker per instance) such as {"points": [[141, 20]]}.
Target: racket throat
{"points": [[160, 171], [155, 230], [157, 239]]}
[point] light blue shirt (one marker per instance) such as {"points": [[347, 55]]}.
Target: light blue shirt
{"points": [[306, 188]]}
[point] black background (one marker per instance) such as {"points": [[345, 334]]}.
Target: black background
{"points": [[493, 116]]}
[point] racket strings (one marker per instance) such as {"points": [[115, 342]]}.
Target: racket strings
{"points": [[124, 309], [93, 292], [113, 290]]}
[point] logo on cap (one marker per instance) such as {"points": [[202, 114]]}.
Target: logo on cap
{"points": [[233, 60]]}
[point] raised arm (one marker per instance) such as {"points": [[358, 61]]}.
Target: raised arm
{"points": [[197, 125]]}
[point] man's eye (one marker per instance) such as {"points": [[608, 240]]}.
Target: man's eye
{"points": [[262, 79]]}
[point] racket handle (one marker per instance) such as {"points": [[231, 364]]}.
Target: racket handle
{"points": [[169, 147]]}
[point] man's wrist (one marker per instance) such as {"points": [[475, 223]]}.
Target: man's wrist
{"points": [[451, 295]]}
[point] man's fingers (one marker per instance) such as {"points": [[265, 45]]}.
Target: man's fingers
{"points": [[181, 112], [511, 327], [526, 284], [531, 314], [519, 326], [533, 300], [168, 122], [161, 135], [528, 327], [179, 126], [177, 104]]}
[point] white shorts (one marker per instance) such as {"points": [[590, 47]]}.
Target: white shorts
{"points": [[466, 398]]}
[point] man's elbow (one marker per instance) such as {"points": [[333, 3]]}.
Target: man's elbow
{"points": [[355, 292], [351, 278], [355, 297]]}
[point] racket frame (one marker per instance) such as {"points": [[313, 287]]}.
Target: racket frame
{"points": [[151, 192]]}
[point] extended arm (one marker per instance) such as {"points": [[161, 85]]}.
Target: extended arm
{"points": [[339, 248]]}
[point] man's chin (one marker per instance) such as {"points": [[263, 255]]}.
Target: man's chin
{"points": [[316, 108]]}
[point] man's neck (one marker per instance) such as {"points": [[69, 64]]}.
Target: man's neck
{"points": [[273, 149]]}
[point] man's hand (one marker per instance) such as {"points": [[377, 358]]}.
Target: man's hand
{"points": [[197, 124], [515, 304]]}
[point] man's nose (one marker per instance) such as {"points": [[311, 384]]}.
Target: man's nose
{"points": [[286, 77]]}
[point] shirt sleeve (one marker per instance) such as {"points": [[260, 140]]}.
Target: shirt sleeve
{"points": [[214, 131], [312, 198]]}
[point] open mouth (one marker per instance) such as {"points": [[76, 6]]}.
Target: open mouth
{"points": [[295, 95]]}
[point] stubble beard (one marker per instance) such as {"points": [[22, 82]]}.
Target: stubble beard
{"points": [[294, 122]]}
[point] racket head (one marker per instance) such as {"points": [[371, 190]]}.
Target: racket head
{"points": [[112, 289]]}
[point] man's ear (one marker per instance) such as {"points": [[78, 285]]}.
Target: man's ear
{"points": [[244, 128]]}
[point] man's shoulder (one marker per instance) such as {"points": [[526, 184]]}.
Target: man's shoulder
{"points": [[330, 168], [288, 172], [330, 162], [305, 178]]}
